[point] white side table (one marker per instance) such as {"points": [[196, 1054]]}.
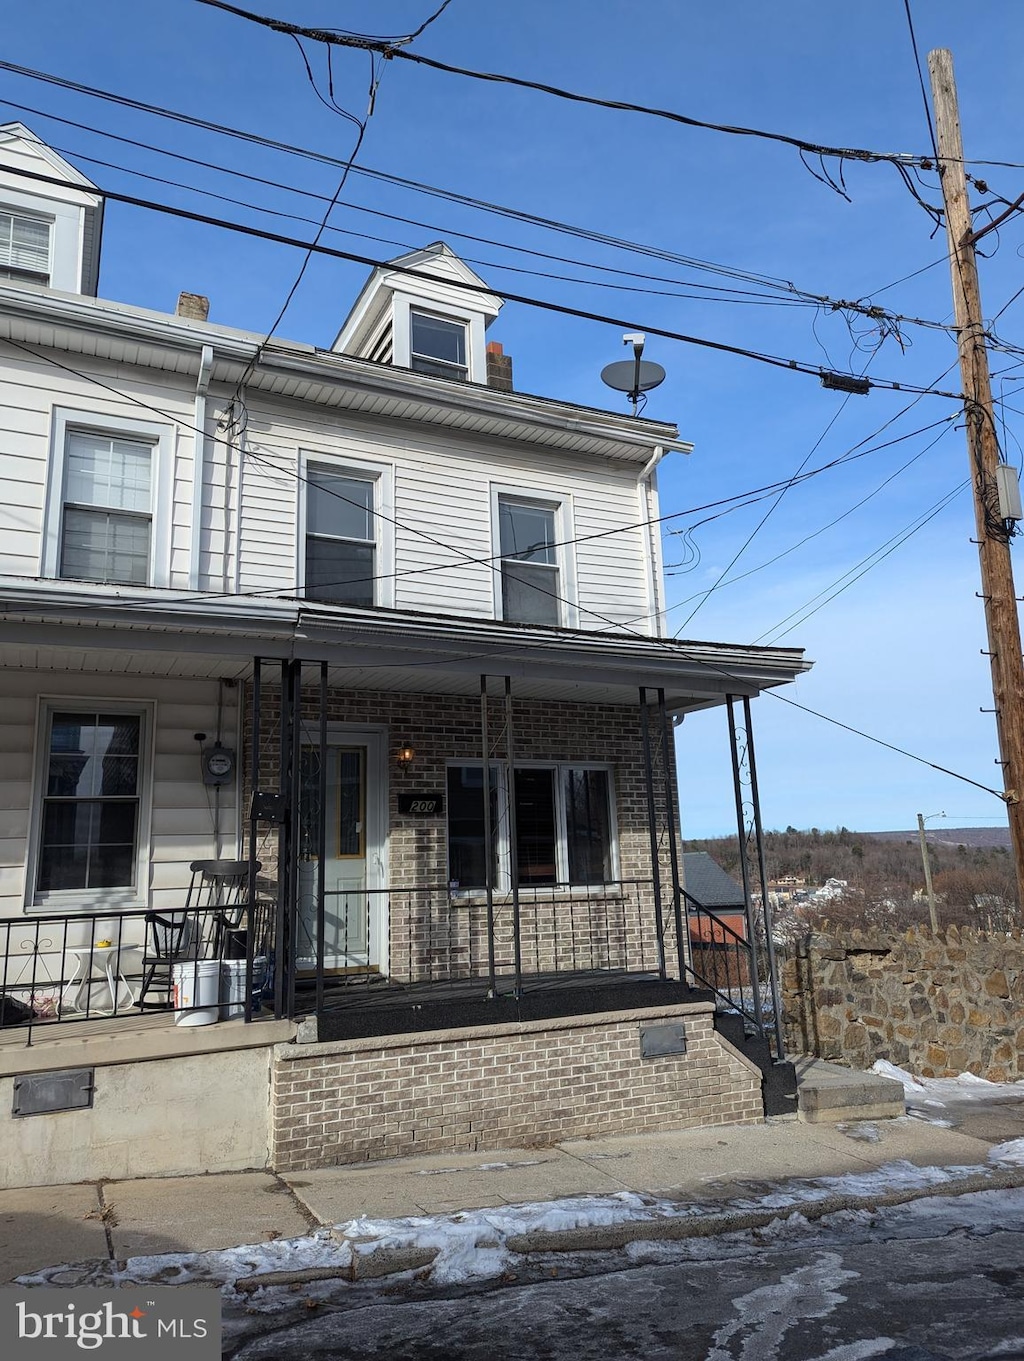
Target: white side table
{"points": [[97, 964]]}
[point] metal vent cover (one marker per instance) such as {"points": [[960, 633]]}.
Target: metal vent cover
{"points": [[65, 1089]]}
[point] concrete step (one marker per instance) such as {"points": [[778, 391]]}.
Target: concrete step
{"points": [[828, 1093]]}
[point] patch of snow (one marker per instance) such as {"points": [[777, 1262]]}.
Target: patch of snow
{"points": [[936, 1091], [862, 1130], [1009, 1154]]}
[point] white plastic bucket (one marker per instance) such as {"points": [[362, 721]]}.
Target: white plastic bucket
{"points": [[232, 986], [195, 983]]}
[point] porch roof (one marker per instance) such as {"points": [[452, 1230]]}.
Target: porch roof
{"points": [[67, 626]]}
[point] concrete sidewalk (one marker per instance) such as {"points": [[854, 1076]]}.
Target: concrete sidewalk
{"points": [[46, 1226]]}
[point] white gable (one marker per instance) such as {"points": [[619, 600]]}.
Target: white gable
{"points": [[433, 279], [72, 207]]}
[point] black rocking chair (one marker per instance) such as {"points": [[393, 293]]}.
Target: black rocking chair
{"points": [[212, 925]]}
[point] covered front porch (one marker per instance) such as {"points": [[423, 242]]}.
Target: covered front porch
{"points": [[383, 891]]}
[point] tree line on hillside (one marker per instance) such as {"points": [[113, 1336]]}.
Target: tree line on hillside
{"points": [[885, 878]]}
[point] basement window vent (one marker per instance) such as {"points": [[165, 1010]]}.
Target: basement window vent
{"points": [[67, 1089], [657, 1041]]}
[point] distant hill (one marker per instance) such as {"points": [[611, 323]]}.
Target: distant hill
{"points": [[951, 836]]}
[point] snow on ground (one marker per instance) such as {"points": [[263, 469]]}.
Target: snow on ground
{"points": [[928, 1097], [473, 1245]]}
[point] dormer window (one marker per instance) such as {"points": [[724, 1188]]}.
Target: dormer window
{"points": [[24, 247], [437, 345]]}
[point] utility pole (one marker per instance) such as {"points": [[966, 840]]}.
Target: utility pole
{"points": [[927, 874], [993, 540]]}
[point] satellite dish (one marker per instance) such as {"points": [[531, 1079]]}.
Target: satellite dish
{"points": [[633, 377], [622, 375]]}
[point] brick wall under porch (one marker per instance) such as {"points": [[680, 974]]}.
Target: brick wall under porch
{"points": [[523, 1084]]}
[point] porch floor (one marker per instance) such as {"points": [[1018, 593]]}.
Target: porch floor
{"points": [[357, 1009]]}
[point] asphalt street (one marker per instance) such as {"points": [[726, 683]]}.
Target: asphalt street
{"points": [[937, 1280]]}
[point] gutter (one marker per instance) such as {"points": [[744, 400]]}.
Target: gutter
{"points": [[198, 460]]}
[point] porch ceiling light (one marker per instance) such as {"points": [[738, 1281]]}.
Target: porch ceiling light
{"points": [[405, 756]]}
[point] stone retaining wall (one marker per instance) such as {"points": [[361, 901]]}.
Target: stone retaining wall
{"points": [[939, 1005]]}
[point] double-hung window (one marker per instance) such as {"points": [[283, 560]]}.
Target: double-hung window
{"points": [[90, 812], [107, 514], [437, 345], [24, 247], [530, 575], [563, 818], [341, 536]]}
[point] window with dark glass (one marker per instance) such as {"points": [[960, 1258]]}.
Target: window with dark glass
{"points": [[24, 247], [341, 547], [529, 562], [90, 811], [107, 518], [437, 345], [466, 862], [563, 826]]}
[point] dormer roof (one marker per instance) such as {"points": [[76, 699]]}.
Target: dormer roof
{"points": [[433, 277], [74, 206]]}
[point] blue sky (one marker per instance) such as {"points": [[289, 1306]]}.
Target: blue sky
{"points": [[898, 654]]}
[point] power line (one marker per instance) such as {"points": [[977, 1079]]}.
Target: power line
{"points": [[388, 50], [920, 76], [865, 564], [765, 281], [561, 309]]}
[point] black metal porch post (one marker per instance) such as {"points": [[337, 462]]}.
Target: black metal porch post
{"points": [[766, 907], [739, 751], [254, 784], [283, 850], [321, 843], [652, 829], [485, 743], [294, 799], [673, 850], [513, 838]]}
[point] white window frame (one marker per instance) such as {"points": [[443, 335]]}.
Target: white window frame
{"points": [[403, 304], [121, 899], [48, 221], [504, 850], [382, 475], [161, 437], [568, 610]]}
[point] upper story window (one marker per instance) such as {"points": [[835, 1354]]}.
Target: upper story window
{"points": [[530, 571], [437, 345], [24, 247], [341, 536], [107, 514], [109, 500]]}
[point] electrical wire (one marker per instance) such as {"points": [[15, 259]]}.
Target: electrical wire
{"points": [[863, 566], [551, 224], [390, 51], [561, 309]]}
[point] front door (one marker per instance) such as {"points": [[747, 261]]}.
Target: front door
{"points": [[354, 902]]}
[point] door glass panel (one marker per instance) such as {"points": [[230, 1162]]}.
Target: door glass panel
{"points": [[351, 791]]}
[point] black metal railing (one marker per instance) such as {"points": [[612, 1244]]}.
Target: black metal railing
{"points": [[435, 934], [724, 961], [58, 968]]}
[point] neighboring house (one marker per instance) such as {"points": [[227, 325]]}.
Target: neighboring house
{"points": [[391, 634], [708, 886]]}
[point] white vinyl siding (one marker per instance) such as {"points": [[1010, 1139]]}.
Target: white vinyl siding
{"points": [[443, 488], [181, 819]]}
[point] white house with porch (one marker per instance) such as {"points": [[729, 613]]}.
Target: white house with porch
{"points": [[338, 677]]}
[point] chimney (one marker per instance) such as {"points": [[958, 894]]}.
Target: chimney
{"points": [[193, 306], [499, 367]]}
